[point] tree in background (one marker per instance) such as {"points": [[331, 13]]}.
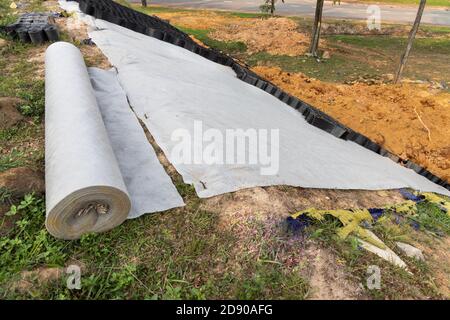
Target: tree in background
{"points": [[412, 35], [269, 6], [144, 3], [316, 29]]}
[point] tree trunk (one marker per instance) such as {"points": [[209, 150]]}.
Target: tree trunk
{"points": [[144, 3], [272, 7], [316, 29], [412, 35]]}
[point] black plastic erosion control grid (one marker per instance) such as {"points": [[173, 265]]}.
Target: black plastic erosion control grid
{"points": [[153, 26], [33, 27]]}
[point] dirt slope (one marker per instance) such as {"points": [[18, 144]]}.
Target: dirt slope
{"points": [[411, 121]]}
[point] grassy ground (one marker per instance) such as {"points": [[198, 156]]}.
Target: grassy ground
{"points": [[439, 3], [231, 47], [396, 282], [181, 253], [174, 257], [368, 56]]}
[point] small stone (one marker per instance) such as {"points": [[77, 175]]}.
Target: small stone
{"points": [[9, 115], [22, 180], [410, 251]]}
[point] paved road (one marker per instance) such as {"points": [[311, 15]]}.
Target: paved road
{"points": [[389, 13]]}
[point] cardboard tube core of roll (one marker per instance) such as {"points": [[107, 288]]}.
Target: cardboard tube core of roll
{"points": [[66, 220], [85, 191]]}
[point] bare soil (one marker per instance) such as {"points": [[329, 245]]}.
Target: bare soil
{"points": [[22, 180], [278, 36], [410, 120], [273, 35], [9, 115]]}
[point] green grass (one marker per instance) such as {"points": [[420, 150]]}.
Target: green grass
{"points": [[366, 56], [335, 69], [179, 254], [6, 14], [18, 146], [123, 2], [396, 283], [175, 255], [432, 218], [19, 157], [389, 43], [427, 61], [17, 78], [230, 47], [12, 160], [268, 277], [438, 30], [441, 3]]}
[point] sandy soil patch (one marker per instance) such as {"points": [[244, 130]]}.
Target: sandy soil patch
{"points": [[202, 20], [328, 279]]}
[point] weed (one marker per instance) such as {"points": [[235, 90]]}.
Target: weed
{"points": [[28, 244], [5, 195], [11, 160], [265, 282], [396, 283], [431, 217]]}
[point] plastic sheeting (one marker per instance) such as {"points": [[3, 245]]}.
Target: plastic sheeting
{"points": [[100, 168]]}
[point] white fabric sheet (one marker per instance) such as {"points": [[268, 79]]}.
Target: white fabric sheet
{"points": [[90, 160], [171, 88], [149, 186]]}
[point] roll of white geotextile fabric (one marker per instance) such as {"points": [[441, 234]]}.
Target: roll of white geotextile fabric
{"points": [[85, 191]]}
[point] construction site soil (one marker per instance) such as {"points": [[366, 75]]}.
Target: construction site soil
{"points": [[410, 120]]}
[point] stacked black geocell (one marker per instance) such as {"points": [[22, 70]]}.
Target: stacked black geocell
{"points": [[155, 27], [33, 27]]}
